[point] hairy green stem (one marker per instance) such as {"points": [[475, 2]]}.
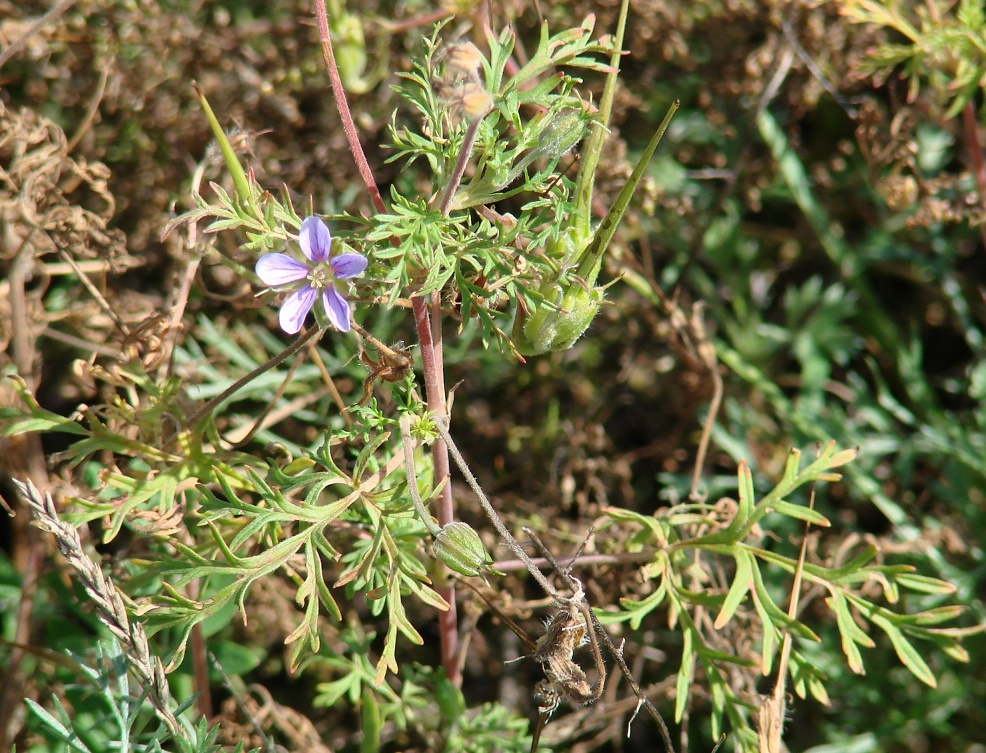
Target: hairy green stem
{"points": [[412, 476], [590, 260], [593, 151], [491, 512]]}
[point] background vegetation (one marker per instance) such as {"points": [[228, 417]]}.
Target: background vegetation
{"points": [[819, 197]]}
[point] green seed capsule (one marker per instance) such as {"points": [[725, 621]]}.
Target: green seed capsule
{"points": [[562, 132], [460, 548], [549, 329]]}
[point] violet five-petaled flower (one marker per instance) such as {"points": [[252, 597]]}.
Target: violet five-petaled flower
{"points": [[319, 274]]}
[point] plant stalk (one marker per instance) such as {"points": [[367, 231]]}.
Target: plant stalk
{"points": [[342, 105], [431, 357]]}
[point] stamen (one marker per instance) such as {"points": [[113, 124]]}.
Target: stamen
{"points": [[319, 277]]}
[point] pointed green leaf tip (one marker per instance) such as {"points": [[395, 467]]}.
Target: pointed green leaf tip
{"points": [[569, 307], [236, 171]]}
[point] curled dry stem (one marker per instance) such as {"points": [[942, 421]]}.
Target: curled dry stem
{"points": [[597, 629]]}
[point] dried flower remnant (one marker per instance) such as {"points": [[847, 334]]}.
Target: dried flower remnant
{"points": [[463, 62], [460, 86], [472, 101], [320, 274], [395, 365]]}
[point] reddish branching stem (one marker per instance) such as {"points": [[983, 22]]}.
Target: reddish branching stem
{"points": [[429, 338], [348, 125]]}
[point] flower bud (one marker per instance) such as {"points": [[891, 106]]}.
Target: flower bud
{"points": [[460, 548], [549, 328], [566, 247]]}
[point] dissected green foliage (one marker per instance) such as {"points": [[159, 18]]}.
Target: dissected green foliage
{"points": [[835, 253]]}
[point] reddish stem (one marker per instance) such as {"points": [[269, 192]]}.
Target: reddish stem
{"points": [[431, 360], [976, 153], [200, 661], [342, 105], [431, 348], [439, 352]]}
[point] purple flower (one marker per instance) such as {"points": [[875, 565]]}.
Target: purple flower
{"points": [[319, 274]]}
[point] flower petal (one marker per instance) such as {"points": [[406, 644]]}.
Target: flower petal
{"points": [[280, 269], [337, 308], [296, 308], [345, 266], [315, 239]]}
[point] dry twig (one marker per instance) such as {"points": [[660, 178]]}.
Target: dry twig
{"points": [[109, 604]]}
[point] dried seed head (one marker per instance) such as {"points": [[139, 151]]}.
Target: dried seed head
{"points": [[565, 631], [770, 725], [570, 681], [463, 62]]}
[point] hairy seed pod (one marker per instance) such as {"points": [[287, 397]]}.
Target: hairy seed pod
{"points": [[562, 133], [460, 548], [549, 328]]}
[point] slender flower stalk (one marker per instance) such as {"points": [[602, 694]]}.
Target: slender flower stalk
{"points": [[475, 104], [342, 105]]}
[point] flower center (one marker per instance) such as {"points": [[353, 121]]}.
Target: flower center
{"points": [[321, 276]]}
